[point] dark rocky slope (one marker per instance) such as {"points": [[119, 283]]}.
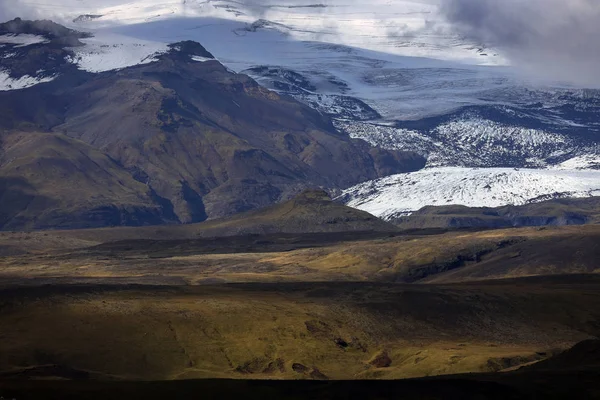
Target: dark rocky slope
{"points": [[216, 143], [310, 217], [52, 181], [210, 142]]}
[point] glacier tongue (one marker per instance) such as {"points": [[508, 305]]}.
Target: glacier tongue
{"points": [[473, 187]]}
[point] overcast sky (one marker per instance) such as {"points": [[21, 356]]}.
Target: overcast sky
{"points": [[17, 8], [557, 39]]}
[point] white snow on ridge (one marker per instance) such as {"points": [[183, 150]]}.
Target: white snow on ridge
{"points": [[489, 132], [398, 56], [22, 39], [7, 83], [586, 161], [105, 52], [395, 55], [202, 59], [489, 187]]}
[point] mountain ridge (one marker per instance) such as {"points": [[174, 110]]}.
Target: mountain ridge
{"points": [[206, 141]]}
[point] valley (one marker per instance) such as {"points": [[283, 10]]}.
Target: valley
{"points": [[308, 289], [115, 307]]}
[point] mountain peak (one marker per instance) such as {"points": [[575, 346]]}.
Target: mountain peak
{"points": [[313, 195], [187, 51]]}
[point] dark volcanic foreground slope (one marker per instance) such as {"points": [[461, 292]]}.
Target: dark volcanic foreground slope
{"points": [[279, 330], [574, 374], [207, 142]]}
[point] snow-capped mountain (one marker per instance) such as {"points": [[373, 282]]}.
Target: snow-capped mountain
{"points": [[393, 73], [179, 138], [377, 60], [387, 54]]}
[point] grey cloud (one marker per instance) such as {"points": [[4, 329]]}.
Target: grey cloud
{"points": [[549, 39], [10, 9], [6, 11]]}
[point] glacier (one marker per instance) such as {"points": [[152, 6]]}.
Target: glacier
{"points": [[403, 194]]}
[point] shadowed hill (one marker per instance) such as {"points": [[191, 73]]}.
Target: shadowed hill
{"points": [[583, 356], [387, 257], [310, 212], [215, 143], [557, 212], [170, 254]]}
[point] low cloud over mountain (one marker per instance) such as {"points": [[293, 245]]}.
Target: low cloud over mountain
{"points": [[551, 39]]}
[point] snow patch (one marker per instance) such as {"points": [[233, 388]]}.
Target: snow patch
{"points": [[396, 56], [587, 161], [7, 83], [105, 52], [202, 59], [22, 40]]}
